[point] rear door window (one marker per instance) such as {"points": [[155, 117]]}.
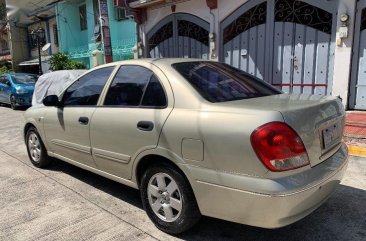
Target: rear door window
{"points": [[217, 82], [135, 86]]}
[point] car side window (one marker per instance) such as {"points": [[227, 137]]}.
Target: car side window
{"points": [[154, 94], [87, 89], [132, 84]]}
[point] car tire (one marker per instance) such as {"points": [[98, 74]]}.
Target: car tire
{"points": [[36, 150], [168, 199], [13, 102]]}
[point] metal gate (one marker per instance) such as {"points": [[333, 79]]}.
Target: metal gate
{"points": [[179, 35], [357, 99], [288, 43]]}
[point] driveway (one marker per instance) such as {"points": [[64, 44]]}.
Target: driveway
{"points": [[64, 202]]}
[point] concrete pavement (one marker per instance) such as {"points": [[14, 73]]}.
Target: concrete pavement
{"points": [[355, 133], [64, 202]]}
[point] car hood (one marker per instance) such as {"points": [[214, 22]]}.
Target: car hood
{"points": [[29, 88]]}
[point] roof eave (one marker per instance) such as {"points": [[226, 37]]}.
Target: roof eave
{"points": [[145, 3]]}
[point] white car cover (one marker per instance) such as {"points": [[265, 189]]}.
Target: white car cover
{"points": [[53, 84]]}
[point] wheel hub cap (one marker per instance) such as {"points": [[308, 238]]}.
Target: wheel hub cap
{"points": [[34, 147], [164, 197]]}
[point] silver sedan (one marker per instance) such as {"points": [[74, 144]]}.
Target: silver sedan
{"points": [[196, 138]]}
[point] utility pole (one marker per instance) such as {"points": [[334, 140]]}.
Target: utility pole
{"points": [[105, 31]]}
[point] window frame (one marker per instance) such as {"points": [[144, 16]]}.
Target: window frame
{"points": [[101, 96], [81, 21], [140, 106], [55, 34]]}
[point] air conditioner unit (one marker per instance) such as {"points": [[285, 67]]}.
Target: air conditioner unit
{"points": [[123, 13]]}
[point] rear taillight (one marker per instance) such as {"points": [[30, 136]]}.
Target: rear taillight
{"points": [[279, 147]]}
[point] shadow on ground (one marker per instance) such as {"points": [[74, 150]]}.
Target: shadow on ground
{"points": [[20, 108], [342, 217]]}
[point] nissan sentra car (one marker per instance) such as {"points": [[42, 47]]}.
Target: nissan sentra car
{"points": [[196, 138], [17, 89]]}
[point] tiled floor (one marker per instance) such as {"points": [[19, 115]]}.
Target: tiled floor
{"points": [[356, 124]]}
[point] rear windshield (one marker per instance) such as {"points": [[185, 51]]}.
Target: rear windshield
{"points": [[218, 82], [24, 79]]}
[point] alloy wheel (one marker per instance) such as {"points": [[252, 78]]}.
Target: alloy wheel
{"points": [[164, 196], [34, 147]]}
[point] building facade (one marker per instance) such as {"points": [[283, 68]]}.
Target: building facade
{"points": [[81, 31], [25, 17], [300, 46], [5, 57]]}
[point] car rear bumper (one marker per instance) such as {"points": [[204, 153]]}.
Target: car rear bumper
{"points": [[268, 203]]}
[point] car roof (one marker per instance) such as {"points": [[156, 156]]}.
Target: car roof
{"points": [[156, 61]]}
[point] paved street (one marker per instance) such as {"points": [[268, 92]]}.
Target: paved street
{"points": [[68, 203]]}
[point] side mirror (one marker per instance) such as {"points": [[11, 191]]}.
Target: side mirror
{"points": [[51, 100], [7, 82]]}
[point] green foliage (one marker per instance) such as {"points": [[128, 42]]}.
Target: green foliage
{"points": [[76, 65], [4, 70], [130, 57], [6, 64], [59, 61], [62, 61], [2, 10]]}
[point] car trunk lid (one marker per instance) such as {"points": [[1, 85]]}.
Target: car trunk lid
{"points": [[318, 120]]}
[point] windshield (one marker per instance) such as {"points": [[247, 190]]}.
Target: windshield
{"points": [[218, 82], [24, 79]]}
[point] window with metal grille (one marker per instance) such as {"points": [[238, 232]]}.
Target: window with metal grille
{"points": [[55, 35], [96, 11], [83, 17]]}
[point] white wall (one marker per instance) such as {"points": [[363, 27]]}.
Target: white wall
{"points": [[54, 48], [19, 45], [198, 8], [343, 54]]}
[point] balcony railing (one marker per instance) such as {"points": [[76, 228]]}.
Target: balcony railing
{"points": [[121, 49]]}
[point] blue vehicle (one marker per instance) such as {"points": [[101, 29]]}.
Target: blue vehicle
{"points": [[17, 89]]}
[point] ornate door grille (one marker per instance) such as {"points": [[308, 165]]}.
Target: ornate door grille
{"points": [[288, 43], [357, 98], [179, 35]]}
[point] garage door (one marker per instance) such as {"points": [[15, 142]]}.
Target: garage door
{"points": [[289, 44], [358, 79], [179, 35]]}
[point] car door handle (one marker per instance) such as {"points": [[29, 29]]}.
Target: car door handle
{"points": [[145, 126], [83, 120]]}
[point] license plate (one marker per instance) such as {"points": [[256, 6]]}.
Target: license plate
{"points": [[331, 135]]}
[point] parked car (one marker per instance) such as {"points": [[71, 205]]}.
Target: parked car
{"points": [[197, 138], [17, 89]]}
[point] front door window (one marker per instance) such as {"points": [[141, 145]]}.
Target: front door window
{"points": [[86, 90]]}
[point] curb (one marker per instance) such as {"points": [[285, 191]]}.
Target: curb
{"points": [[357, 151]]}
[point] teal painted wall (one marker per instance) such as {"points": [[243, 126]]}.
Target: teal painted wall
{"points": [[79, 44], [123, 33], [70, 35], [125, 29]]}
